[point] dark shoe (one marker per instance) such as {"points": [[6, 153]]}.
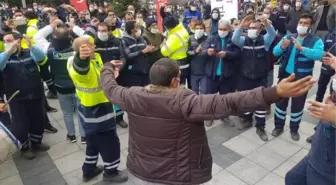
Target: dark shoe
{"points": [[277, 132], [72, 139], [244, 124], [28, 154], [120, 176], [309, 139], [40, 147], [262, 134], [122, 124], [83, 140], [51, 95], [99, 169], [51, 109], [295, 136], [49, 128]]}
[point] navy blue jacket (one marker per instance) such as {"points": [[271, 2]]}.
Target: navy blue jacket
{"points": [[329, 46], [228, 62], [198, 60], [303, 65]]}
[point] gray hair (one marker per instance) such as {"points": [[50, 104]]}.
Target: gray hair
{"points": [[225, 22]]}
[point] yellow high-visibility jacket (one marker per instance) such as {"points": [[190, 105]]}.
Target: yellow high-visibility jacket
{"points": [[31, 31], [176, 45], [88, 88], [118, 33]]}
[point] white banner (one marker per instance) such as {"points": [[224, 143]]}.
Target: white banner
{"points": [[228, 8]]}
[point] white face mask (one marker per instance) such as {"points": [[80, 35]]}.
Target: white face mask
{"points": [[215, 15], [334, 84], [223, 34], [253, 34], [199, 33], [87, 17], [298, 4], [138, 33], [8, 45], [286, 7], [267, 16], [154, 30], [20, 21], [169, 9], [192, 8], [103, 36], [302, 30]]}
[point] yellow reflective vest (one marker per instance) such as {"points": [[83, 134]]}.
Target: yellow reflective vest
{"points": [[176, 45], [31, 31], [118, 33], [88, 88]]}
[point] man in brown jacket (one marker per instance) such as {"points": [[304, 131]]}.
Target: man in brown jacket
{"points": [[167, 141]]}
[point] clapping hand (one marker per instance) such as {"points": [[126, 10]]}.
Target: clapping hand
{"points": [[297, 44], [323, 111], [285, 43], [330, 59]]}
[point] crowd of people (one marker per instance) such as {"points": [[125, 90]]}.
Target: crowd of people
{"points": [[98, 65]]}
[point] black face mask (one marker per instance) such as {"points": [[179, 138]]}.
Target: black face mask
{"points": [[113, 28], [60, 43]]}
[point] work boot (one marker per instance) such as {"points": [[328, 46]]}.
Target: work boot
{"points": [[309, 139], [244, 124], [122, 124], [27, 154], [120, 176], [40, 147], [49, 128], [51, 109], [277, 132], [208, 123], [99, 169], [295, 136], [262, 134]]}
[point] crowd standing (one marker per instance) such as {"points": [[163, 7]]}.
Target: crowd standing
{"points": [[99, 64]]}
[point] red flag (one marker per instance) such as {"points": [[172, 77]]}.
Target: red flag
{"points": [[158, 4], [79, 5]]}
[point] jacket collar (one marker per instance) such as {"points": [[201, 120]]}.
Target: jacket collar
{"points": [[130, 37], [32, 22], [175, 29]]}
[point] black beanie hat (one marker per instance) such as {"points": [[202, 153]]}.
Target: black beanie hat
{"points": [[170, 22], [149, 22]]}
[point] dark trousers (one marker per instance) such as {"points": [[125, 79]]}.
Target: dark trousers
{"points": [[248, 84], [137, 80], [45, 106], [198, 83], [27, 121], [118, 113], [305, 174], [223, 86], [106, 144], [296, 112], [322, 86]]}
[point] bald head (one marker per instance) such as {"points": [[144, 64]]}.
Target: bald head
{"points": [[81, 41]]}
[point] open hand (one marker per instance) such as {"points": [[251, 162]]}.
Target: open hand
{"points": [[289, 87], [285, 43], [323, 111], [246, 22], [297, 44], [330, 59], [13, 47]]}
